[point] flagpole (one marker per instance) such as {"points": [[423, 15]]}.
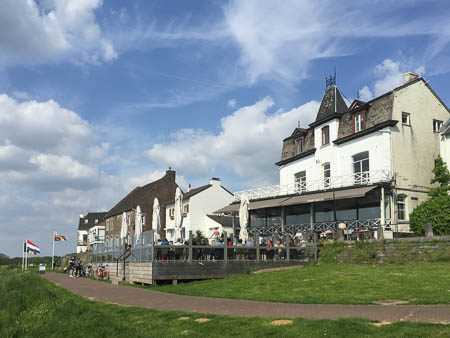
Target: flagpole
{"points": [[53, 252], [26, 258], [23, 255]]}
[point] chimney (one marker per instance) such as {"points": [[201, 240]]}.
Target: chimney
{"points": [[409, 76], [189, 187], [215, 181], [171, 173]]}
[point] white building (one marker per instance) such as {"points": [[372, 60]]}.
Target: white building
{"points": [[368, 164], [96, 235], [445, 142], [87, 222], [197, 204]]}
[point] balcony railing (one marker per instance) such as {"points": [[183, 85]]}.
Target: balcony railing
{"points": [[81, 243], [302, 186]]}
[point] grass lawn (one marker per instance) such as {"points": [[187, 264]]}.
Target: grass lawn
{"points": [[33, 307], [417, 283]]}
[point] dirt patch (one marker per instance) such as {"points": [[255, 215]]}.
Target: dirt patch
{"points": [[381, 324], [185, 332], [281, 322], [184, 318], [388, 302], [202, 320], [279, 269]]}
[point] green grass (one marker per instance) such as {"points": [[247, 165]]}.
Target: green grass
{"points": [[417, 283], [33, 307]]}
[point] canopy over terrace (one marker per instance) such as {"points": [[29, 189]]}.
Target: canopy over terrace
{"points": [[358, 207]]}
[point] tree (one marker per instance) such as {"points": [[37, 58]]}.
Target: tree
{"points": [[441, 176], [437, 209]]}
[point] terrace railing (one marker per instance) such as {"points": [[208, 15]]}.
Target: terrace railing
{"points": [[302, 186]]}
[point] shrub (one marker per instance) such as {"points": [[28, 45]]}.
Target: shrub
{"points": [[435, 211]]}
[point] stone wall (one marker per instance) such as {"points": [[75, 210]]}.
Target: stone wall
{"points": [[400, 251], [135, 272]]}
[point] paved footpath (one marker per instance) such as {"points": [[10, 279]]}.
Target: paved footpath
{"points": [[129, 296]]}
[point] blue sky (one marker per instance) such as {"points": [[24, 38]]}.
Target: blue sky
{"points": [[99, 97]]}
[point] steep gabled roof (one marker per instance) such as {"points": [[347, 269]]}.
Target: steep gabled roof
{"points": [[193, 192], [91, 217], [332, 103], [132, 199]]}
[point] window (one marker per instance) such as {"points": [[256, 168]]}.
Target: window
{"points": [[185, 209], [172, 213], [437, 125], [359, 121], [361, 168], [401, 207], [96, 221], [299, 146], [86, 221], [405, 119], [326, 175], [325, 135], [300, 181]]}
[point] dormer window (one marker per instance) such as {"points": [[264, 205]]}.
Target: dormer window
{"points": [[325, 135], [299, 145], [359, 121]]}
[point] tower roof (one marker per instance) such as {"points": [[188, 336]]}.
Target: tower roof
{"points": [[332, 103]]}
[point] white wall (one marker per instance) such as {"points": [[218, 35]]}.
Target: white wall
{"points": [[340, 157], [445, 148], [201, 204]]}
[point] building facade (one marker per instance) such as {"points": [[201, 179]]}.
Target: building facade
{"points": [[197, 204], [163, 189], [86, 222], [445, 142], [369, 164]]}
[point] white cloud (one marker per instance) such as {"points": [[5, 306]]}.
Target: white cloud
{"points": [[249, 142], [278, 40], [145, 178], [50, 31], [389, 75], [232, 103]]}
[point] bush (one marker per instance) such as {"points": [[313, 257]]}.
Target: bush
{"points": [[435, 211]]}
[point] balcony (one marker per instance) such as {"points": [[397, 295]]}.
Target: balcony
{"points": [[302, 186], [81, 243]]}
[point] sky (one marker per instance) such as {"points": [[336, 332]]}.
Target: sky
{"points": [[98, 97]]}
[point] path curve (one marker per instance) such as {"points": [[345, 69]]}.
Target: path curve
{"points": [[129, 296]]}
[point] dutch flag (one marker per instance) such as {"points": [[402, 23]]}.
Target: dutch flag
{"points": [[32, 248]]}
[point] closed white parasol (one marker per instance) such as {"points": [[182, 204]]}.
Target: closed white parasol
{"points": [[124, 228], [243, 218], [178, 213], [156, 220], [138, 225]]}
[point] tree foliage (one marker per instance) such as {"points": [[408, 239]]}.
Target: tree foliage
{"points": [[437, 209], [441, 176]]}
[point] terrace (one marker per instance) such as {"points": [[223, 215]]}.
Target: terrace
{"points": [[301, 186]]}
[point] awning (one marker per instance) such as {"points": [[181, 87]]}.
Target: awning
{"points": [[328, 196], [271, 203], [228, 208], [301, 199], [353, 193]]}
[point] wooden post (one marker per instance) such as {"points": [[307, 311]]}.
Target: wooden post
{"points": [[288, 249], [258, 250], [153, 246], [225, 246], [190, 246]]}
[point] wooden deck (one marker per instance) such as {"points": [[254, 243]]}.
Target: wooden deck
{"points": [[152, 272]]}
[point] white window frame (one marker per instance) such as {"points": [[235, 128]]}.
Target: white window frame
{"points": [[359, 122], [327, 128], [326, 179], [361, 177], [300, 181], [437, 125], [408, 118], [403, 202], [299, 145]]}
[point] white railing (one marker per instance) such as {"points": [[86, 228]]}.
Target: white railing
{"points": [[303, 186]]}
